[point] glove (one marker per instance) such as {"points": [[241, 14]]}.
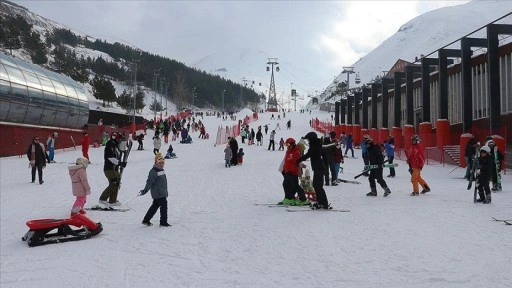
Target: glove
{"points": [[410, 170], [32, 163], [141, 192], [122, 164]]}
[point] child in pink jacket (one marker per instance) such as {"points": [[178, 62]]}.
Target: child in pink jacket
{"points": [[80, 185]]}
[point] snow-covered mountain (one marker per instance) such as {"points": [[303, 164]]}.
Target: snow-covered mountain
{"points": [[420, 36], [427, 33]]}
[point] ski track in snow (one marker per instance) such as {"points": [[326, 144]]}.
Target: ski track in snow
{"points": [[219, 238]]}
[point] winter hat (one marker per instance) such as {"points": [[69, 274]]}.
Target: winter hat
{"points": [[159, 158], [82, 162], [311, 135], [486, 149], [333, 135]]}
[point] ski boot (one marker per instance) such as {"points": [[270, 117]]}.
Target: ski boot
{"points": [[487, 199], [415, 194], [386, 192], [333, 183], [426, 189], [373, 192], [318, 206]]}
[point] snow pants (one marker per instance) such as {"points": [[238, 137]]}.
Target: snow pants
{"points": [[416, 180], [110, 193], [157, 203]]}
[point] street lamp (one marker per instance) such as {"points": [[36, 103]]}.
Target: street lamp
{"points": [[193, 97], [223, 92]]}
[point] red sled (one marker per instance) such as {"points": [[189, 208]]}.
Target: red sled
{"points": [[39, 233]]}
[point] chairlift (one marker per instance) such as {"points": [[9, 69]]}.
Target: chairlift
{"points": [[358, 79], [277, 69], [268, 68]]}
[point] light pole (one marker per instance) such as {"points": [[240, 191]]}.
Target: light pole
{"points": [[223, 92], [155, 73], [193, 97], [166, 96], [162, 81]]}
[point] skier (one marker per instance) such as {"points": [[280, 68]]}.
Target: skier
{"points": [[79, 185], [416, 160], [328, 151], [85, 145], [375, 157], [317, 164], [486, 164], [110, 169], [50, 143], [157, 183], [291, 176], [37, 157]]}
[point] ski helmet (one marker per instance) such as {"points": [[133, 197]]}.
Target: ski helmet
{"points": [[290, 141], [415, 139], [486, 149]]}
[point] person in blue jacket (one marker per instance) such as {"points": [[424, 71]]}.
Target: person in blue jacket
{"points": [[349, 145], [389, 146], [157, 183]]}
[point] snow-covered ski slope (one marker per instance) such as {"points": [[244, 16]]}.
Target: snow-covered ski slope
{"points": [[219, 238]]}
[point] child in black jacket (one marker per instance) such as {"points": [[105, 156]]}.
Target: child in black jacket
{"points": [[486, 165]]}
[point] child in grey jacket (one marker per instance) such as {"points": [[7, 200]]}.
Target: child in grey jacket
{"points": [[157, 183]]}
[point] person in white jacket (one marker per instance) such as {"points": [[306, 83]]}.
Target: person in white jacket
{"points": [[157, 143]]}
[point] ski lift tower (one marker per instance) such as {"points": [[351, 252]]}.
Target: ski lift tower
{"points": [[272, 100], [348, 71]]}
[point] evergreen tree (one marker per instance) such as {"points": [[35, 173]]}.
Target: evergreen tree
{"points": [[102, 89], [125, 101]]}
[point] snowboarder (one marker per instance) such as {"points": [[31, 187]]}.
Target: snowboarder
{"points": [[157, 183], [497, 156], [110, 169], [79, 185], [416, 160], [375, 157]]}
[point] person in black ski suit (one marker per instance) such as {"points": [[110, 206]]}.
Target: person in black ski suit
{"points": [[375, 157], [486, 164], [318, 167]]}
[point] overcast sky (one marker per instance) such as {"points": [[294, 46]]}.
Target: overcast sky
{"points": [[312, 40]]}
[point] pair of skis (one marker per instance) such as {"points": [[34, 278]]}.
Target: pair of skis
{"points": [[473, 176], [290, 208]]}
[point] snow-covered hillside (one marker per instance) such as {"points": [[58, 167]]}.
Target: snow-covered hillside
{"points": [[427, 33]]}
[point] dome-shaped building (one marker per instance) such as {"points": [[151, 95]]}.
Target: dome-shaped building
{"points": [[33, 95]]}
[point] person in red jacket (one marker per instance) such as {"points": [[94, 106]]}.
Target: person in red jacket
{"points": [[291, 176], [416, 160], [85, 145]]}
